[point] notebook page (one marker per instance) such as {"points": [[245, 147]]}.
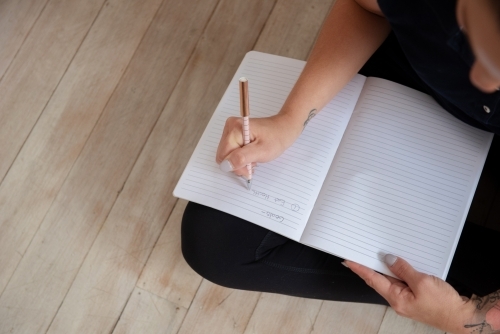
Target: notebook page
{"points": [[402, 182], [284, 190]]}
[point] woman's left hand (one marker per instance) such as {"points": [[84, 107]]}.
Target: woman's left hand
{"points": [[419, 296]]}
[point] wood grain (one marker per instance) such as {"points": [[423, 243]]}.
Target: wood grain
{"points": [[283, 314], [219, 310], [16, 20], [27, 192], [395, 324], [347, 318], [37, 70], [56, 252], [293, 27], [120, 252], [148, 313]]}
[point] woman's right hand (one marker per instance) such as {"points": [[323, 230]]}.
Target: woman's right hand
{"points": [[269, 138]]}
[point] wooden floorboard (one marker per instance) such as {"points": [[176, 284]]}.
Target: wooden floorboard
{"points": [[103, 102], [283, 314], [347, 318], [38, 68], [219, 310], [395, 324], [68, 230], [17, 17], [110, 270], [148, 313], [293, 27], [28, 190]]}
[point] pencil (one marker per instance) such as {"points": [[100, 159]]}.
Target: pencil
{"points": [[245, 113]]}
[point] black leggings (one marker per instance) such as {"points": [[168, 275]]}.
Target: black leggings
{"points": [[234, 253]]}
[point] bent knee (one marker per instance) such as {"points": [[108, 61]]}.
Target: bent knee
{"points": [[209, 247], [215, 246]]}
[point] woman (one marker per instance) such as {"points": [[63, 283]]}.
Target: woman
{"points": [[448, 49]]}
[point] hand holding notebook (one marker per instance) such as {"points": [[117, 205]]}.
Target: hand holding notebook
{"points": [[269, 139]]}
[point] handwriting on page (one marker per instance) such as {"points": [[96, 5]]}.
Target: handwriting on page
{"points": [[277, 201], [273, 216]]}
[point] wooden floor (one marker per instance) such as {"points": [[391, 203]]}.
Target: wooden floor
{"points": [[101, 104]]}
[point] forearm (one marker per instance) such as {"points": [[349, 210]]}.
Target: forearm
{"points": [[350, 35]]}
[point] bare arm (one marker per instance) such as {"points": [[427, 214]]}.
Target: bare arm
{"points": [[350, 35]]}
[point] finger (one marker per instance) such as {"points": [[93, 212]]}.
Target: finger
{"points": [[244, 171], [232, 138], [396, 281], [403, 270], [378, 282], [240, 157]]}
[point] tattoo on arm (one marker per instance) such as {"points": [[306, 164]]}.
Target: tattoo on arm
{"points": [[312, 113], [486, 318]]}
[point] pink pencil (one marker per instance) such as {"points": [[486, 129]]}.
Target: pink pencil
{"points": [[245, 113]]}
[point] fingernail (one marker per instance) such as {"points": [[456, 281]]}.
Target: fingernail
{"points": [[390, 259], [344, 264], [226, 166]]}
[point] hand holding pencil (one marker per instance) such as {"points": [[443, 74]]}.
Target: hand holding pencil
{"points": [[267, 138]]}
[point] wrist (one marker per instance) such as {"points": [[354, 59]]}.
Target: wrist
{"points": [[462, 318], [296, 120], [289, 124]]}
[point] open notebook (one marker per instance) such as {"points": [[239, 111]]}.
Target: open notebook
{"points": [[381, 169]]}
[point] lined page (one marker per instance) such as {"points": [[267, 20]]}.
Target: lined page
{"points": [[284, 190], [401, 183]]}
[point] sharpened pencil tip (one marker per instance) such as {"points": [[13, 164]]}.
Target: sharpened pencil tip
{"points": [[249, 184]]}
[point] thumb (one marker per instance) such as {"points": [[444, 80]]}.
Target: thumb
{"points": [[240, 157], [402, 269]]}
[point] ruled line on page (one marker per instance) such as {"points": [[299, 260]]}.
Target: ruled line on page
{"points": [[395, 226], [335, 240], [429, 155], [384, 182], [459, 125], [422, 130], [385, 233], [439, 125], [384, 138], [340, 230]]}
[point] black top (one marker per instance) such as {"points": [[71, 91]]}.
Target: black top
{"points": [[438, 51]]}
